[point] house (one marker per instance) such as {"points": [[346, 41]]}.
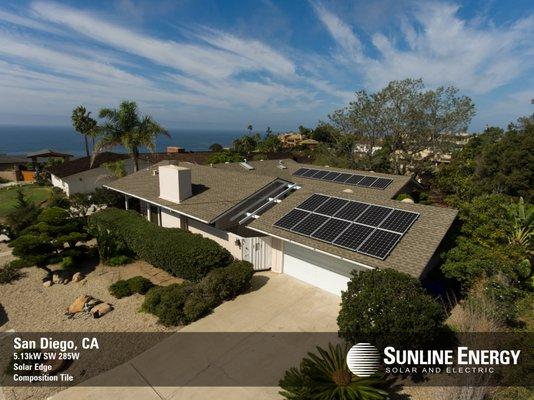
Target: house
{"points": [[291, 139], [11, 167], [316, 224], [79, 176]]}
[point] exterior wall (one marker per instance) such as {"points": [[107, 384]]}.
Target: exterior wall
{"points": [[170, 219], [10, 175], [277, 255], [88, 181], [225, 239]]}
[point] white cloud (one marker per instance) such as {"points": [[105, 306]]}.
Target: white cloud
{"points": [[441, 49]]}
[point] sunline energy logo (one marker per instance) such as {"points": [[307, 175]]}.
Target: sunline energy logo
{"points": [[363, 360]]}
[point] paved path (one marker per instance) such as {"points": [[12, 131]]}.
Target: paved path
{"points": [[281, 304]]}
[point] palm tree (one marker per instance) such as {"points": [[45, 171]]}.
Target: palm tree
{"points": [[326, 376], [124, 127], [84, 125]]}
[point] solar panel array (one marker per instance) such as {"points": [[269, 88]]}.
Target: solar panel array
{"points": [[365, 228], [344, 178]]}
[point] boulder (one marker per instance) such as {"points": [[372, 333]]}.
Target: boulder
{"points": [[407, 200], [78, 304], [47, 283], [56, 278], [77, 277], [101, 309], [65, 281]]}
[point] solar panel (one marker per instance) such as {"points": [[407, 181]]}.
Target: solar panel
{"points": [[351, 211], [320, 174], [330, 230], [399, 221], [312, 202], [292, 218], [367, 181], [331, 206], [309, 224], [342, 178], [380, 243], [354, 179], [330, 176], [374, 215], [300, 171], [369, 229], [381, 183], [310, 172], [353, 236]]}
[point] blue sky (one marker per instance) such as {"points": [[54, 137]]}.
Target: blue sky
{"points": [[225, 64]]}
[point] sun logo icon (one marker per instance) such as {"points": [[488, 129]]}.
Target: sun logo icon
{"points": [[363, 360]]}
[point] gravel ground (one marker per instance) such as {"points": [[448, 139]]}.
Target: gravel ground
{"points": [[28, 306]]}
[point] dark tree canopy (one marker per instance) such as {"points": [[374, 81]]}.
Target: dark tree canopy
{"points": [[381, 306]]}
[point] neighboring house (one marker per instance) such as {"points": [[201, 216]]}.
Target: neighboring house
{"points": [[249, 208], [11, 167], [79, 176], [291, 139]]}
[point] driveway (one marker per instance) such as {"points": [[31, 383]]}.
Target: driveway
{"points": [[276, 303]]}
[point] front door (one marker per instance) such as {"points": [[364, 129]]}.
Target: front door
{"points": [[257, 250]]}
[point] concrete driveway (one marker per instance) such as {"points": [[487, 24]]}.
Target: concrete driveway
{"points": [[276, 303]]}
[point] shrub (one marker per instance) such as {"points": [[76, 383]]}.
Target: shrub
{"points": [[181, 253], [182, 304], [124, 288], [118, 260], [67, 262], [8, 274], [382, 306]]}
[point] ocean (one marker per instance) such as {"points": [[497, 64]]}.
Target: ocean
{"points": [[25, 139]]}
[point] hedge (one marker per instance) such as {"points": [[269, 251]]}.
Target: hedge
{"points": [[125, 288], [181, 304], [181, 253]]}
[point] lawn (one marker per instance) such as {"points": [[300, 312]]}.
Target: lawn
{"points": [[8, 197]]}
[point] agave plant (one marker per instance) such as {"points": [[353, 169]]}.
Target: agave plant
{"points": [[523, 228], [325, 376]]}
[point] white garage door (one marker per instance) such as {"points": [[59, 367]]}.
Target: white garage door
{"points": [[317, 269]]}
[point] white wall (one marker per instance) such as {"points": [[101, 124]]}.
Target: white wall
{"points": [[225, 239], [170, 219]]}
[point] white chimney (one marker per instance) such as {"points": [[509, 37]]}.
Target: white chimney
{"points": [[174, 183]]}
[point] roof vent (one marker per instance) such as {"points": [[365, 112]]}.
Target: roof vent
{"points": [[155, 172], [281, 165], [246, 165]]}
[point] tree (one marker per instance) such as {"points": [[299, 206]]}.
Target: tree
{"points": [[304, 131], [523, 224], [323, 133], [270, 144], [224, 156], [215, 147], [420, 123], [246, 144], [381, 306], [84, 125], [23, 215], [326, 376], [125, 127]]}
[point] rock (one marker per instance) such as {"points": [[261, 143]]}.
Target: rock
{"points": [[93, 302], [77, 277], [47, 283], [78, 304], [101, 309], [65, 281], [56, 278], [407, 200]]}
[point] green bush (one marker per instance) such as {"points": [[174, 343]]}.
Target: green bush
{"points": [[181, 253], [182, 304], [383, 306], [124, 288], [67, 262], [8, 274], [118, 260]]}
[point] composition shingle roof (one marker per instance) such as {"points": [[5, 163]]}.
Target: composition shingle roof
{"points": [[78, 165], [216, 189]]}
